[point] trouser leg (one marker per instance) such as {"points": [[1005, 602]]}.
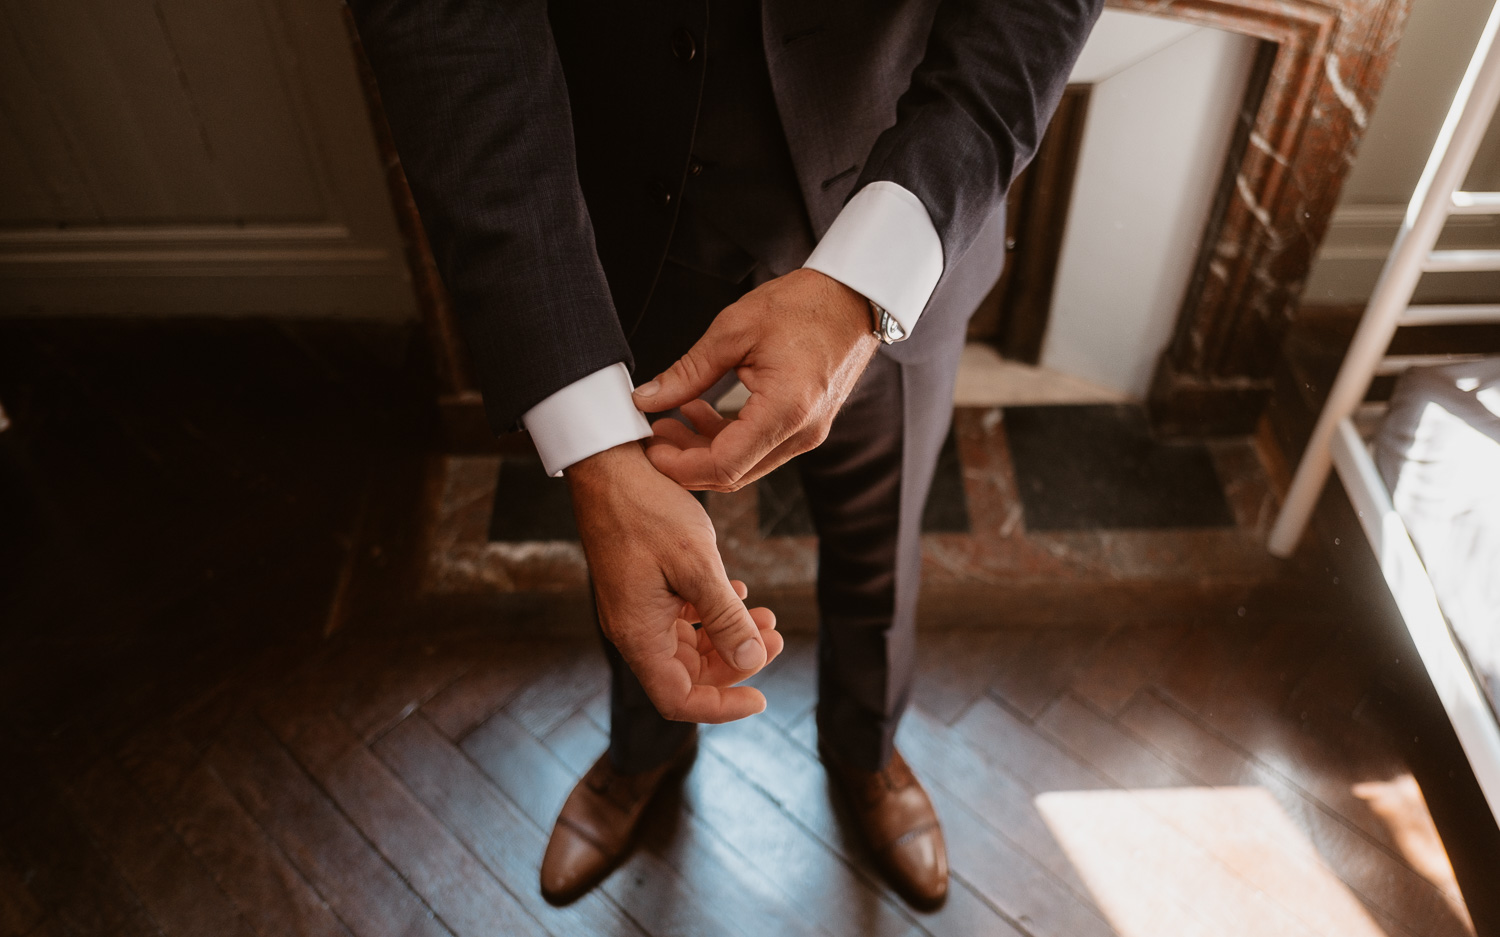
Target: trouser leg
{"points": [[866, 488], [639, 738], [683, 305]]}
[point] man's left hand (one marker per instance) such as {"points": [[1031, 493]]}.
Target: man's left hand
{"points": [[799, 343]]}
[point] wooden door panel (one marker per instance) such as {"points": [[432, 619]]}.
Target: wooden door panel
{"points": [[23, 197], [236, 58], [70, 65], [176, 156], [155, 93], [24, 107]]}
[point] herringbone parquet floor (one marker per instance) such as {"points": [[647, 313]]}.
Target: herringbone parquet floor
{"points": [[184, 752]]}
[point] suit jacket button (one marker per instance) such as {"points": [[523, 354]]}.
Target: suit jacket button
{"points": [[662, 195], [683, 44], [695, 166]]}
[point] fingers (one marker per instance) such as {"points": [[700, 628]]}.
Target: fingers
{"points": [[726, 621], [695, 685], [705, 419], [684, 694], [776, 459], [714, 705], [673, 433], [765, 620], [689, 614], [713, 670], [690, 376], [737, 447]]}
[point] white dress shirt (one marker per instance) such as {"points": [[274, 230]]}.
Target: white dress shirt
{"points": [[882, 245]]}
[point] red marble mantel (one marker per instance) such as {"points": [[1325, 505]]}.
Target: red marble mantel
{"points": [[1308, 103]]}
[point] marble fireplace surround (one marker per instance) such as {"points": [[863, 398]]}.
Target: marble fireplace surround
{"points": [[1306, 106], [1314, 81]]}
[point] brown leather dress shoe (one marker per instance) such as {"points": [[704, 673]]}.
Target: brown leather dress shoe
{"points": [[899, 826], [598, 822]]}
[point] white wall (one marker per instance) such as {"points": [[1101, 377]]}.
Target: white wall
{"points": [[1429, 63], [1164, 103]]}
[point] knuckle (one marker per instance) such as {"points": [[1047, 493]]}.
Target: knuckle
{"points": [[719, 617], [725, 476], [809, 405], [800, 408], [682, 370]]}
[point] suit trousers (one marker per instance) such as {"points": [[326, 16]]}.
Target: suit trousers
{"points": [[866, 487]]}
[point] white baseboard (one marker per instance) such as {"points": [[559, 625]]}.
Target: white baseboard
{"points": [[1359, 238]]}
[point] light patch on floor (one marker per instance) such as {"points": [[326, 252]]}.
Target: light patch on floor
{"points": [[1402, 808], [987, 380], [1216, 861]]}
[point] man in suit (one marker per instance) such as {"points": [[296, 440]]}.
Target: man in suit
{"points": [[807, 194]]}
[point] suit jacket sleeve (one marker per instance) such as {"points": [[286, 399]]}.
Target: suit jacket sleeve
{"points": [[477, 103], [978, 104]]}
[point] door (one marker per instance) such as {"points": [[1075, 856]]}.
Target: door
{"points": [[181, 157]]}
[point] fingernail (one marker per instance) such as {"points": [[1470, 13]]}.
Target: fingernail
{"points": [[648, 389], [749, 655]]}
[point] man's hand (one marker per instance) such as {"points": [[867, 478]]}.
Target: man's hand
{"points": [[656, 571], [799, 343]]}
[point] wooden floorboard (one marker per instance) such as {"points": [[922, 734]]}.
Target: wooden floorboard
{"points": [[997, 871], [414, 674], [955, 668], [1043, 668], [491, 826], [998, 799], [790, 683], [361, 887], [558, 692], [498, 675], [60, 862], [1372, 872], [269, 891], [173, 887], [453, 883], [1128, 661], [186, 749], [537, 782], [816, 879], [20, 912]]}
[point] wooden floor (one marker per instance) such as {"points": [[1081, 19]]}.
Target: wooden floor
{"points": [[184, 752]]}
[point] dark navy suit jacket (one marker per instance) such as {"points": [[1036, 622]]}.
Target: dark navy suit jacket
{"points": [[547, 145]]}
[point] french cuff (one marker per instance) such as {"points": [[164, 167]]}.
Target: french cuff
{"points": [[590, 415], [884, 246]]}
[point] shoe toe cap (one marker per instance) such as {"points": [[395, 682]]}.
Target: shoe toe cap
{"points": [[571, 866], [919, 864]]}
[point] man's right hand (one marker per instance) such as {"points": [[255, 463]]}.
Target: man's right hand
{"points": [[656, 571]]}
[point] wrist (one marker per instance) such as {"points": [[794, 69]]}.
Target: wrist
{"points": [[603, 469], [847, 306]]}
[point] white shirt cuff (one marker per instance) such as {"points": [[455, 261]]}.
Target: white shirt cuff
{"points": [[884, 246], [590, 415]]}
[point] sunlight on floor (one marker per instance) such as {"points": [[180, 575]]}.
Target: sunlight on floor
{"points": [[1201, 860], [987, 380], [1400, 805]]}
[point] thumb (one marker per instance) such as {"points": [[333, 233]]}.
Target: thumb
{"points": [[726, 621], [691, 376]]}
